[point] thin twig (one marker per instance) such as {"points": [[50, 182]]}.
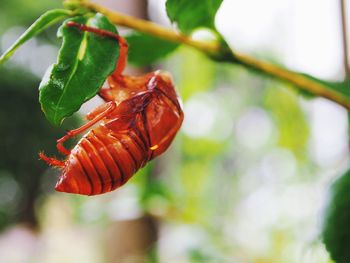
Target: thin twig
{"points": [[151, 28], [222, 53], [345, 39]]}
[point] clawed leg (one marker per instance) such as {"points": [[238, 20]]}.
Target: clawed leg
{"points": [[97, 111], [51, 161], [116, 76], [101, 114], [123, 55], [108, 108], [123, 52]]}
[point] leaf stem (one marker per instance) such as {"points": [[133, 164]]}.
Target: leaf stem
{"points": [[220, 52]]}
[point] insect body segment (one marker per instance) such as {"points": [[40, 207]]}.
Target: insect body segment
{"points": [[137, 123]]}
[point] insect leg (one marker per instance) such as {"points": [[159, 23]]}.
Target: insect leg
{"points": [[97, 111], [51, 161], [104, 33], [123, 52], [116, 76], [109, 108]]}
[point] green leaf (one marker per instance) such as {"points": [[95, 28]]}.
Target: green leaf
{"points": [[336, 230], [191, 14], [84, 62], [145, 49], [47, 19]]}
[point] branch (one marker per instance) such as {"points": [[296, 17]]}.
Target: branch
{"points": [[151, 28], [220, 52]]}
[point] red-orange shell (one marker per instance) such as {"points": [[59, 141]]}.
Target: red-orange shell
{"points": [[144, 123]]}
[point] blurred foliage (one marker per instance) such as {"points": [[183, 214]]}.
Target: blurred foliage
{"points": [[23, 133], [290, 120], [20, 12], [336, 231], [197, 72], [23, 130], [145, 49]]}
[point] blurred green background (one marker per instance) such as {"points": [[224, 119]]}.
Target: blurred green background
{"points": [[244, 181]]}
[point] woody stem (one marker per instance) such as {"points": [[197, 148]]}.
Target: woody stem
{"points": [[221, 52]]}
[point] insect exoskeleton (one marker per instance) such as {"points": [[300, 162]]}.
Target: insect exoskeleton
{"points": [[141, 127], [138, 121]]}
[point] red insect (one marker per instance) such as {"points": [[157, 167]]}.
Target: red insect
{"points": [[137, 123]]}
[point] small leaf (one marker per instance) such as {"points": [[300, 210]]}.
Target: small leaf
{"points": [[145, 49], [193, 14], [336, 231], [84, 62], [47, 19]]}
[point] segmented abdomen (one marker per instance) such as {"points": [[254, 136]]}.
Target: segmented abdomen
{"points": [[104, 160]]}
